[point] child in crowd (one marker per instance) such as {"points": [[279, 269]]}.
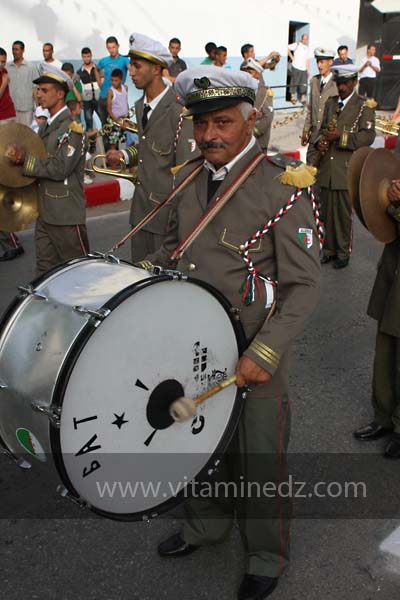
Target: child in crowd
{"points": [[117, 108], [76, 93]]}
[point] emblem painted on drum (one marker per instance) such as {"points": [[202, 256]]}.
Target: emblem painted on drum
{"points": [[30, 443]]}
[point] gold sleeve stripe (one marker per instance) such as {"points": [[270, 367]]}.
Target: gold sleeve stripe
{"points": [[268, 356], [30, 164], [267, 349], [145, 264]]}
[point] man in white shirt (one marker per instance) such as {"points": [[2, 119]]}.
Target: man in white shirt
{"points": [[370, 67], [21, 75], [48, 51], [299, 55]]}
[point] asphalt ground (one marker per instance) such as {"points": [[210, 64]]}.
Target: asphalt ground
{"points": [[68, 553]]}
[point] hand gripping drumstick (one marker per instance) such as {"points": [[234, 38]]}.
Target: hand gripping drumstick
{"points": [[183, 408]]}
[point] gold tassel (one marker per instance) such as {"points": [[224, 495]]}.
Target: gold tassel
{"points": [[371, 103], [76, 127], [302, 176], [177, 168], [270, 92]]}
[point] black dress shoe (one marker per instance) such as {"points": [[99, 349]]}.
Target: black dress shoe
{"points": [[11, 254], [373, 431], [392, 449], [256, 587], [325, 258], [175, 547], [341, 263]]}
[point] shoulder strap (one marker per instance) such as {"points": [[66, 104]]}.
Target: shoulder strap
{"points": [[217, 205]]}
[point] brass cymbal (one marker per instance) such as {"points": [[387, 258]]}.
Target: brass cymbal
{"points": [[353, 179], [18, 207], [15, 133], [379, 169]]}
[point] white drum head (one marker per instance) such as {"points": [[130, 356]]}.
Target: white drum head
{"points": [[121, 451]]}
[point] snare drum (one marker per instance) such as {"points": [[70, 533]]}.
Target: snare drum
{"points": [[92, 355]]}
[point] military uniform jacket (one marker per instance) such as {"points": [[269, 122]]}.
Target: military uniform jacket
{"points": [[157, 155], [384, 302], [315, 107], [214, 257], [60, 175], [265, 114], [356, 123]]}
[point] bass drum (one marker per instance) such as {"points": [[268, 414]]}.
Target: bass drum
{"points": [[91, 357]]}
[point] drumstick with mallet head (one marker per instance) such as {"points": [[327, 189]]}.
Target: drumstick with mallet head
{"points": [[183, 408]]}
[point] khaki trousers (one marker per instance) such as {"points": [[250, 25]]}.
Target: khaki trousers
{"points": [[386, 381], [56, 244], [256, 458]]}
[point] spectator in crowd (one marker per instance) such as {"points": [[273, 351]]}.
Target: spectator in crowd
{"points": [[107, 64], [343, 56], [9, 243], [40, 117], [299, 55], [91, 83], [370, 67], [48, 51], [176, 65], [76, 92], [220, 57], [210, 49], [247, 51], [22, 74], [117, 108]]}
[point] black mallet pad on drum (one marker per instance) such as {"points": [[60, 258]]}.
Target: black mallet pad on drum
{"points": [[160, 402]]}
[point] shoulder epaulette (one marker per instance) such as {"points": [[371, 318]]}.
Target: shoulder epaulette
{"points": [[76, 127], [296, 173], [270, 92], [370, 103]]}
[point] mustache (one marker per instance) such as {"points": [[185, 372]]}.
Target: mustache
{"points": [[207, 145]]}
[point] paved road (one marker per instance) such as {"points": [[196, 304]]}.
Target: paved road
{"points": [[334, 558]]}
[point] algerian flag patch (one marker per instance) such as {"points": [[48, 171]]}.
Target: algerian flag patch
{"points": [[30, 443], [305, 237]]}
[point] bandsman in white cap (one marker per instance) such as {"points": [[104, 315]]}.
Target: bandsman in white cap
{"points": [[248, 240], [348, 124], [60, 233], [165, 140], [322, 87], [263, 103]]}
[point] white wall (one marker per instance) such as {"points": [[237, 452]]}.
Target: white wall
{"points": [[71, 24]]}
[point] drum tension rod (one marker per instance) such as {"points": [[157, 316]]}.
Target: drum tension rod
{"points": [[97, 315], [64, 493], [177, 275], [28, 290], [52, 413]]}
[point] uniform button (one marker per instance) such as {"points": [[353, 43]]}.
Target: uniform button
{"points": [[143, 137], [137, 183], [320, 109], [140, 160], [192, 267], [331, 157], [396, 272], [242, 247]]}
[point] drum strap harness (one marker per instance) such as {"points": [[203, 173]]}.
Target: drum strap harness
{"points": [[252, 279]]}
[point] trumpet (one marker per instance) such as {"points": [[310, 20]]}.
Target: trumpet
{"points": [[387, 126], [127, 124]]}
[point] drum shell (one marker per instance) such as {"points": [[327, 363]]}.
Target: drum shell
{"points": [[37, 334]]}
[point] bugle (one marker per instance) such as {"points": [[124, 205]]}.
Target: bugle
{"points": [[121, 172]]}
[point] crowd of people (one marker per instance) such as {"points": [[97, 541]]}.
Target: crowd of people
{"points": [[242, 221]]}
